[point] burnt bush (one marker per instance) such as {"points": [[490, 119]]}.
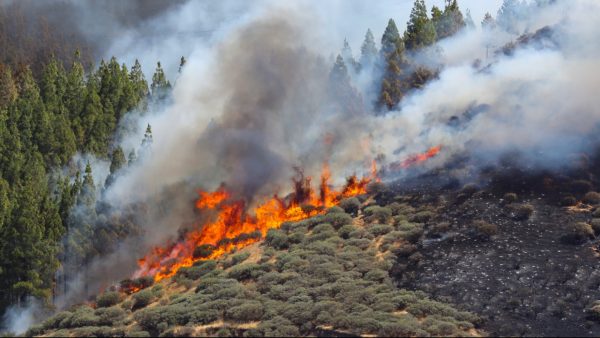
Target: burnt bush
{"points": [[509, 197], [578, 233], [521, 212], [484, 230], [108, 298], [350, 205], [591, 197], [568, 201], [580, 186], [203, 251]]}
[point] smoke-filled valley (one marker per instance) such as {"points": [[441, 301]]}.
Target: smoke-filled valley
{"points": [[194, 168]]}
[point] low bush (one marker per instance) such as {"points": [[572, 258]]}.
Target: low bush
{"points": [[108, 298], [521, 212], [578, 233], [568, 201], [203, 251], [247, 312], [236, 259], [376, 213], [345, 231], [335, 210], [110, 315], [245, 271], [380, 229], [509, 197], [278, 327], [198, 270], [337, 220], [595, 223], [277, 239], [421, 216], [142, 299], [591, 197], [350, 205], [580, 186], [484, 230]]}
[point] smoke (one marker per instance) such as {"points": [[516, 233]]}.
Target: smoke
{"points": [[19, 318], [253, 102]]}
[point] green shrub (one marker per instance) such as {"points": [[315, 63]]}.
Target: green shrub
{"points": [[422, 216], [247, 312], [279, 327], [578, 233], [203, 316], [82, 316], [107, 299], [376, 213], [350, 205], [55, 321], [361, 243], [110, 315], [337, 220], [380, 229], [521, 212], [245, 271], [277, 239], [137, 334], [345, 231], [375, 188], [334, 210], [197, 271], [404, 327], [376, 275], [440, 328], [296, 237], [142, 299], [591, 197]]}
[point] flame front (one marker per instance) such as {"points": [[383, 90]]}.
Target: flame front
{"points": [[231, 224]]}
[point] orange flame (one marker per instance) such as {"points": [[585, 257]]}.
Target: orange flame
{"points": [[231, 223], [418, 158]]}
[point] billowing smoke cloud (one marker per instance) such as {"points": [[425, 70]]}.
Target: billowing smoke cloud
{"points": [[252, 103]]}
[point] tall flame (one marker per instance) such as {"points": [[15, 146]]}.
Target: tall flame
{"points": [[233, 226], [231, 223]]}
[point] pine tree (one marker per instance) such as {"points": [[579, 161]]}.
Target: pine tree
{"points": [[8, 88], [160, 87], [131, 158], [420, 32], [348, 57], [87, 195], [469, 20], [136, 76], [75, 94], [510, 14], [488, 22], [182, 63], [341, 90], [117, 162], [392, 54], [449, 22], [368, 51], [147, 141]]}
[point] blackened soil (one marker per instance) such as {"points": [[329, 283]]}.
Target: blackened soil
{"points": [[523, 281]]}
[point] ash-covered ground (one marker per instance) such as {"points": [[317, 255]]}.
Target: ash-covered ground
{"points": [[517, 248]]}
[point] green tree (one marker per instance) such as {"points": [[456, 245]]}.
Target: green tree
{"points": [[449, 22], [421, 30], [510, 14], [392, 53], [161, 87], [348, 57], [469, 23], [138, 80], [182, 63], [368, 50], [117, 162], [8, 88], [488, 22]]}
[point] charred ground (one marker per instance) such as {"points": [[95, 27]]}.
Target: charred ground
{"points": [[516, 246]]}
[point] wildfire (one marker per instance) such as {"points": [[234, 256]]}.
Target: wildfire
{"points": [[418, 158], [233, 227]]}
